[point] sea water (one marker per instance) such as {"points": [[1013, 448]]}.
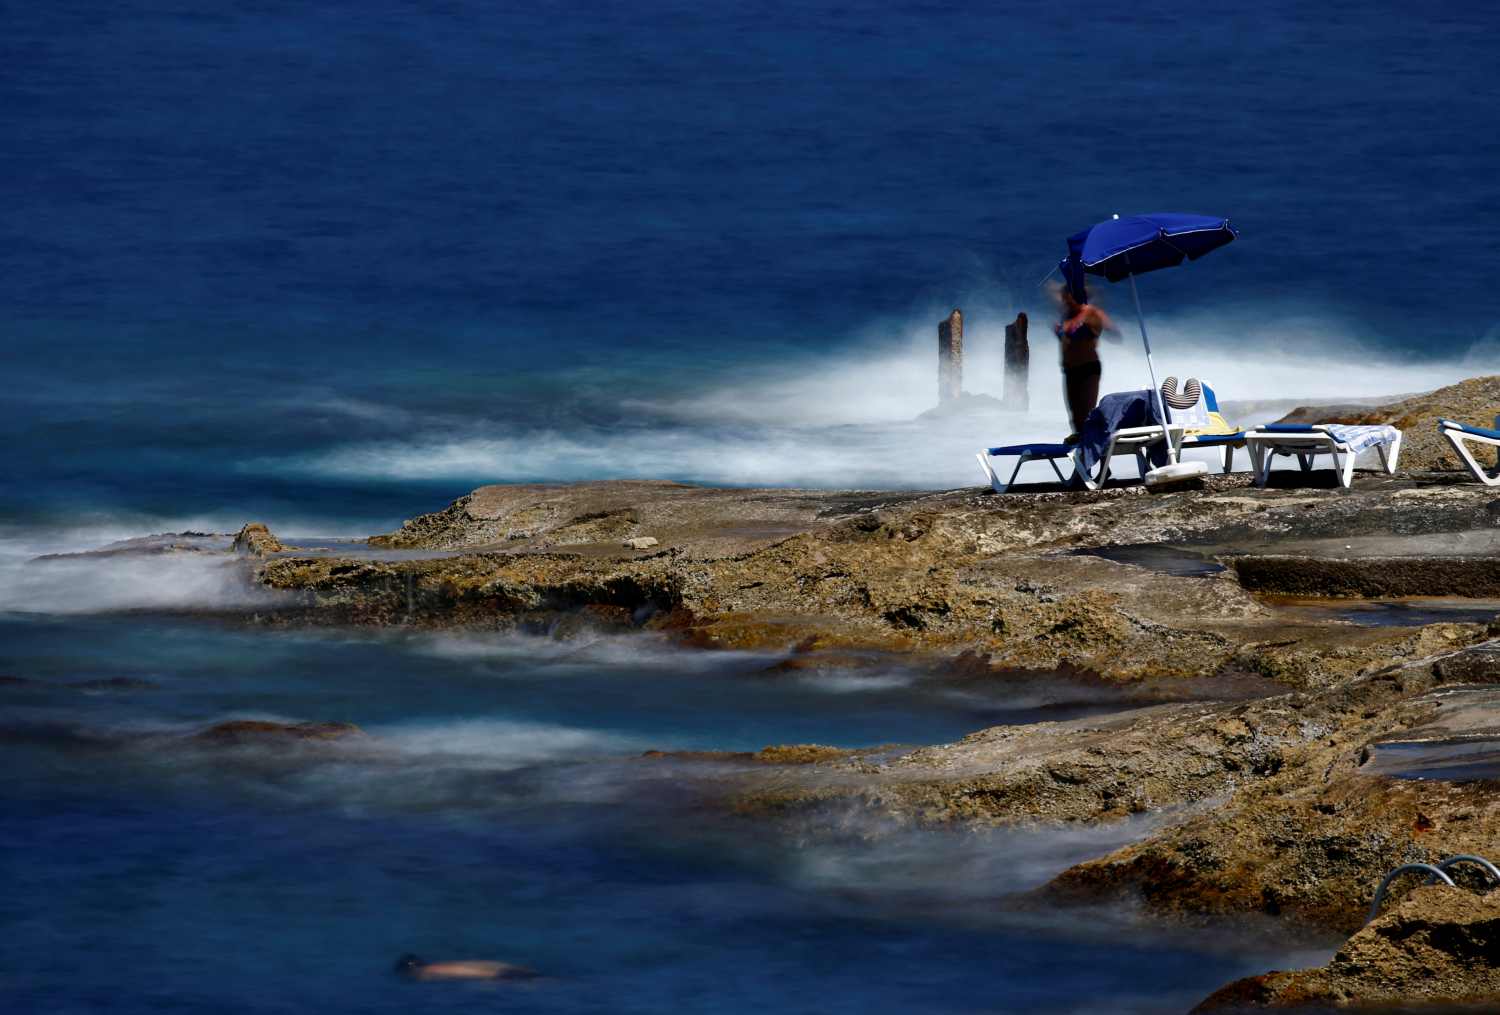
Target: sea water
{"points": [[276, 258], [331, 265], [499, 806]]}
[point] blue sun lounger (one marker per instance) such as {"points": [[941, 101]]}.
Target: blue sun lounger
{"points": [[1195, 422], [1460, 435], [1217, 433], [1024, 453]]}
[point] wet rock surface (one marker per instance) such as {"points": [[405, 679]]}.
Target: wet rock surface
{"points": [[1370, 577]]}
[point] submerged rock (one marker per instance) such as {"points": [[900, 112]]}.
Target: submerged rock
{"points": [[415, 968], [776, 754], [114, 684], [1439, 945], [250, 731]]}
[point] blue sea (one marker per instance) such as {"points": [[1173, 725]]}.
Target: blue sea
{"points": [[331, 265]]}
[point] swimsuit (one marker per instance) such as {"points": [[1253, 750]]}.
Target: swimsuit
{"points": [[1081, 378]]}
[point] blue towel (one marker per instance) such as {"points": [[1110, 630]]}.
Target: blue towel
{"points": [[1114, 412]]}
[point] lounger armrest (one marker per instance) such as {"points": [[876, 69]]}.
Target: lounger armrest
{"points": [[1147, 431]]}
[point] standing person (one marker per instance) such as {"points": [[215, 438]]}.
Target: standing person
{"points": [[1078, 334]]}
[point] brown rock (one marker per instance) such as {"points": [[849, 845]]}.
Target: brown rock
{"points": [[798, 754], [1310, 838], [256, 540], [1439, 945]]}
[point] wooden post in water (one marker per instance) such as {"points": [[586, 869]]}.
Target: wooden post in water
{"points": [[951, 357], [1017, 365]]}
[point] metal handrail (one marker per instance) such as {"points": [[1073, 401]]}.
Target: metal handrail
{"points": [[1491, 869], [1434, 874]]}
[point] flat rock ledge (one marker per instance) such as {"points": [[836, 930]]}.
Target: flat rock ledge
{"points": [[1021, 582]]}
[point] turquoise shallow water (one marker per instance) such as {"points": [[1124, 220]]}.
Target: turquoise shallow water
{"points": [[499, 809]]}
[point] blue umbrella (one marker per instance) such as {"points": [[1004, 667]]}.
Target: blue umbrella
{"points": [[1126, 247]]}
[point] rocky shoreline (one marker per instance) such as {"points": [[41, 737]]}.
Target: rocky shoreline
{"points": [[1282, 817], [1285, 786]]}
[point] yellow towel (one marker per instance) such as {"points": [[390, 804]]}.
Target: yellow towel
{"points": [[1217, 425]]}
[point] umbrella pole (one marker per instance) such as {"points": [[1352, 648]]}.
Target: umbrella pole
{"points": [[1161, 407]]}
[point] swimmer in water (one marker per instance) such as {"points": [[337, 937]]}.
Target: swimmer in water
{"points": [[414, 968]]}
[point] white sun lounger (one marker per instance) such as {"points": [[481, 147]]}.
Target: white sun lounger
{"points": [[1305, 442], [1199, 425], [1132, 440], [1461, 435]]}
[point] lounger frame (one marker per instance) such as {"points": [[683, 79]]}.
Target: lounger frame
{"points": [[1306, 447], [1134, 440], [1460, 437], [1022, 459]]}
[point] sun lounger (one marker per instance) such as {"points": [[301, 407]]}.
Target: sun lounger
{"points": [[1134, 440], [1131, 440], [1194, 421], [1214, 432], [1049, 453], [1307, 441], [1461, 435]]}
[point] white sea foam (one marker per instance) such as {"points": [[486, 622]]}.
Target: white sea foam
{"points": [[53, 569], [625, 653], [96, 584], [856, 683], [849, 420], [502, 743], [937, 866]]}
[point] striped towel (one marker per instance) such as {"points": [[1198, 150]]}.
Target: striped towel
{"points": [[1361, 438]]}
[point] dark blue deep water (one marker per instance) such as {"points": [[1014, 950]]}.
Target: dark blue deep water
{"points": [[344, 258], [330, 265]]}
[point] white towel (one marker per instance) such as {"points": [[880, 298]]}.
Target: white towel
{"points": [[1361, 438]]}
